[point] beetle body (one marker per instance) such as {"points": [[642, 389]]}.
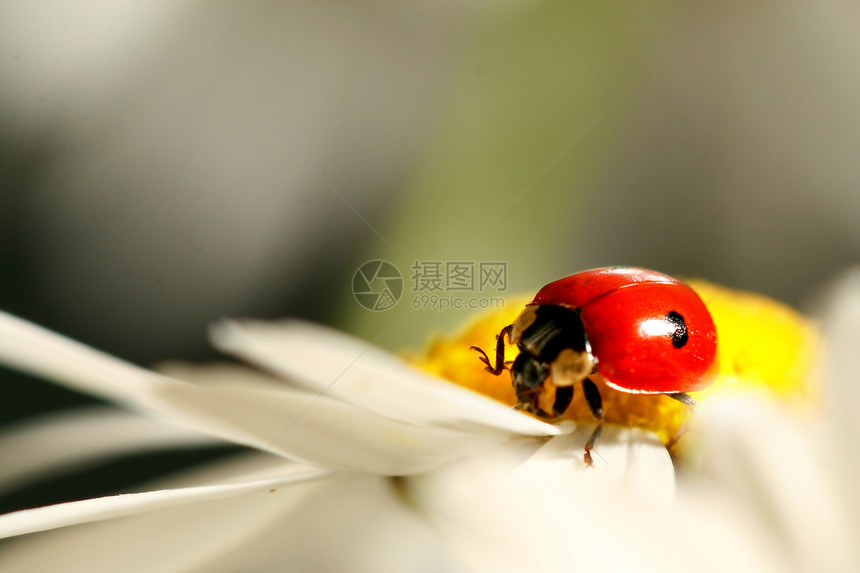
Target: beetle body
{"points": [[632, 329]]}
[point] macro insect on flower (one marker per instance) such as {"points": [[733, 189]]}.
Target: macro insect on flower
{"points": [[401, 468], [765, 349], [623, 328]]}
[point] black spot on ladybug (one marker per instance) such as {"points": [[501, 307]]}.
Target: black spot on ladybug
{"points": [[680, 336]]}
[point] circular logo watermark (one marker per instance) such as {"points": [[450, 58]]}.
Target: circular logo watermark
{"points": [[377, 285]]}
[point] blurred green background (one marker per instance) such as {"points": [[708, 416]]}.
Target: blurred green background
{"points": [[165, 165]]}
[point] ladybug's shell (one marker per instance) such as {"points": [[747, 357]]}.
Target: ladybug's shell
{"points": [[624, 314]]}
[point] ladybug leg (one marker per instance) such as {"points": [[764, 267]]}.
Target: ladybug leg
{"points": [[683, 398], [563, 398], [595, 404], [499, 366], [482, 356], [674, 439]]}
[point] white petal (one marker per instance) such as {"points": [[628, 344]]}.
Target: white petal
{"points": [[621, 514], [220, 373], [56, 442], [482, 518], [712, 531], [176, 538], [624, 458], [773, 464], [553, 513], [841, 331], [358, 525], [329, 433], [33, 349], [325, 432], [549, 512], [325, 360], [112, 507], [288, 423]]}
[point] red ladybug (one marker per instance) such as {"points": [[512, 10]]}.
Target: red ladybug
{"points": [[631, 329]]}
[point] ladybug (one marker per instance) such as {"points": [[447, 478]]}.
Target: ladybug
{"points": [[623, 328]]}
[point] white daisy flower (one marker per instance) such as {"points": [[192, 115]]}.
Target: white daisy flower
{"points": [[329, 415], [358, 461]]}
